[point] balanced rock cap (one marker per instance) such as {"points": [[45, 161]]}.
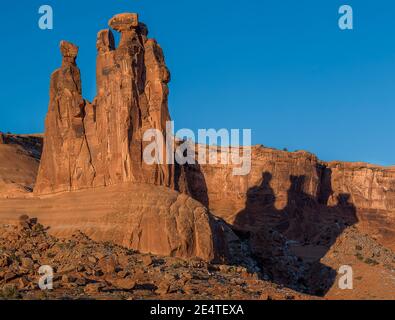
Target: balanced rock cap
{"points": [[124, 22], [68, 49]]}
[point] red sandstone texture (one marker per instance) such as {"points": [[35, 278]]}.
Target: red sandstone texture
{"points": [[100, 143], [294, 205], [282, 182], [294, 220]]}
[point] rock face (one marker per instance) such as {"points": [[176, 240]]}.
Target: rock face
{"points": [[150, 219], [288, 212], [372, 192], [292, 208], [282, 182], [19, 162], [101, 143], [66, 161]]}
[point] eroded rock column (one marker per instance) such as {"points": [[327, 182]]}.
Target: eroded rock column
{"points": [[100, 144], [66, 162]]}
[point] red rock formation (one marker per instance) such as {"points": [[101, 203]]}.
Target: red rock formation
{"points": [[66, 162], [291, 207], [150, 219], [100, 144], [372, 192], [281, 183]]}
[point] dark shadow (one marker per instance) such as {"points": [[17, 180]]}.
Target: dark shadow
{"points": [[196, 183], [289, 242]]}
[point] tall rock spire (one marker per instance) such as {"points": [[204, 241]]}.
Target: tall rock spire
{"points": [[65, 162], [99, 144]]}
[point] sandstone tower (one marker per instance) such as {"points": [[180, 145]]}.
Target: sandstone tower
{"points": [[100, 143]]}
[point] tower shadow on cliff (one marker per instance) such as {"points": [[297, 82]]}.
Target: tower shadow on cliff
{"points": [[197, 183], [288, 243]]}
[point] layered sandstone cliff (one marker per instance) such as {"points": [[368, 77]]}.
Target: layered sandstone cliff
{"points": [[294, 203], [291, 208], [372, 191]]}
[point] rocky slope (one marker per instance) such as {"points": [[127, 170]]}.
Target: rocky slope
{"points": [[87, 269], [373, 266]]}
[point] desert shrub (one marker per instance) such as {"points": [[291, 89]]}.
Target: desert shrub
{"points": [[177, 265], [359, 256], [371, 262], [9, 292]]}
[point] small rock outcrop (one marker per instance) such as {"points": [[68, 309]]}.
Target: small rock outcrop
{"points": [[101, 143]]}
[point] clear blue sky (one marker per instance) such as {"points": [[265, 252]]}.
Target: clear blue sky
{"points": [[282, 68]]}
